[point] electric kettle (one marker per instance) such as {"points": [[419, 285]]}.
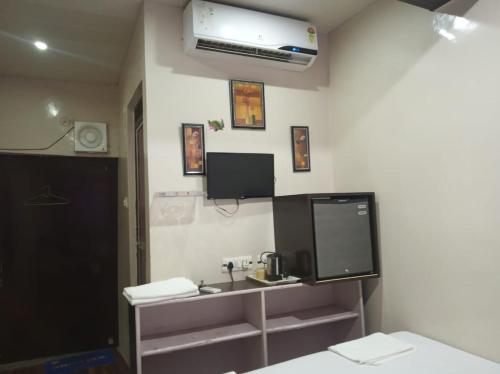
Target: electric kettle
{"points": [[274, 267]]}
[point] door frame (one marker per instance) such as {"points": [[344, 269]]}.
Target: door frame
{"points": [[140, 195], [131, 198]]}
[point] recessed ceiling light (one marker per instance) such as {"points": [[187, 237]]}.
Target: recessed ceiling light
{"points": [[52, 109], [42, 46]]}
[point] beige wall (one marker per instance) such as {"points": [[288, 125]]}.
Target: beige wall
{"points": [[130, 90], [191, 90], [25, 121], [415, 118]]}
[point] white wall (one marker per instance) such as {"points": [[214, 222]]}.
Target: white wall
{"points": [[185, 89], [130, 89], [25, 121], [415, 118]]}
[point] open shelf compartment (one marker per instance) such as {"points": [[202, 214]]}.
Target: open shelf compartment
{"points": [[240, 355], [310, 306], [307, 318], [291, 344], [197, 337], [199, 322]]}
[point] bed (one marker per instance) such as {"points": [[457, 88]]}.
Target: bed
{"points": [[429, 357]]}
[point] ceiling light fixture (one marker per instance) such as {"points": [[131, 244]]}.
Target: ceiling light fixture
{"points": [[42, 46], [52, 110]]}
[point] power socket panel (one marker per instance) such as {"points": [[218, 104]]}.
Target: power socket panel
{"points": [[241, 263]]}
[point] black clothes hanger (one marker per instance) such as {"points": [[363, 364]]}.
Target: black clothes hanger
{"points": [[46, 198]]}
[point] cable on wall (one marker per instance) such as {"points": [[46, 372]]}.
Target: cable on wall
{"points": [[224, 212], [40, 149], [230, 267]]}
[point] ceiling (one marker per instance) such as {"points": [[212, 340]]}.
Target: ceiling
{"points": [[88, 39]]}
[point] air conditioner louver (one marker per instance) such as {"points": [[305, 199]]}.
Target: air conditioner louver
{"points": [[275, 55], [224, 47], [209, 45]]}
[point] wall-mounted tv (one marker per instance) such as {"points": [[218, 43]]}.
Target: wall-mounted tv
{"points": [[239, 175]]}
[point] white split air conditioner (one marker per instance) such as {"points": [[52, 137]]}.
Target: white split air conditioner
{"points": [[223, 31]]}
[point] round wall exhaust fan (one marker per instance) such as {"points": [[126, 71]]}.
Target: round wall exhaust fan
{"points": [[91, 137]]}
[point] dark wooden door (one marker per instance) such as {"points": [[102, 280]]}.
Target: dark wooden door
{"points": [[59, 267]]}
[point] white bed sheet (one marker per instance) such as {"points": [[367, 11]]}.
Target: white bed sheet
{"points": [[428, 357]]}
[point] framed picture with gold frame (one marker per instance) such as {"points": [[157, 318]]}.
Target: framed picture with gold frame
{"points": [[301, 153], [193, 149], [247, 105]]}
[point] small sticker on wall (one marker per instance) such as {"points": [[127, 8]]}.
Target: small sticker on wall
{"points": [[216, 125], [312, 34], [362, 213]]}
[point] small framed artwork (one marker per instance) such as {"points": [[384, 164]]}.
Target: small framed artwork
{"points": [[193, 149], [300, 148], [247, 105]]}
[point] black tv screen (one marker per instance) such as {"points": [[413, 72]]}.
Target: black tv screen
{"points": [[239, 175]]}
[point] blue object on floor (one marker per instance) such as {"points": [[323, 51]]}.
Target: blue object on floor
{"points": [[80, 362]]}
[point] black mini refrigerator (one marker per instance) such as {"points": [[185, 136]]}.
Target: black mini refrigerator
{"points": [[326, 237]]}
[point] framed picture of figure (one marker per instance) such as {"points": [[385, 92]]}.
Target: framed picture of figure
{"points": [[301, 153], [247, 105], [193, 149]]}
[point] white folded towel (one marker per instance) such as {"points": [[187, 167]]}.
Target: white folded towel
{"points": [[372, 349], [146, 301], [164, 290]]}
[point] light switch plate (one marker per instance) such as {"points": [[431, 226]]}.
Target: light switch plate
{"points": [[241, 263]]}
